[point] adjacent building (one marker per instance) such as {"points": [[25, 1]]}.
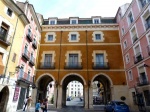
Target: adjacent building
{"points": [[134, 31], [84, 50], [12, 25]]}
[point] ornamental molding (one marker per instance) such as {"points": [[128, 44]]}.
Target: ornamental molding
{"points": [[80, 27]]}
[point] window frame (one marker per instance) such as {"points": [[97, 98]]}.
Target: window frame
{"points": [[50, 33]]}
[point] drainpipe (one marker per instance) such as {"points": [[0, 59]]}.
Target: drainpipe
{"points": [[11, 46], [59, 68], [87, 66]]}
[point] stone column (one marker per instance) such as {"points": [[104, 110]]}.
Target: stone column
{"points": [[90, 97], [55, 96], [59, 99], [85, 97], [34, 96]]}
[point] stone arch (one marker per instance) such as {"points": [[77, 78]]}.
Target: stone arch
{"points": [[42, 75], [61, 82], [103, 74]]}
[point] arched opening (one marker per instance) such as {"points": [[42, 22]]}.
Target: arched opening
{"points": [[72, 91], [101, 90], [46, 89], [4, 95]]}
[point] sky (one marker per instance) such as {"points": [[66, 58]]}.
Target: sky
{"points": [[77, 8]]}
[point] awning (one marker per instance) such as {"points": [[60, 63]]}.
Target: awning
{"points": [[1, 65]]}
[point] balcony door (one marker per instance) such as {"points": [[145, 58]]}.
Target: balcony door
{"points": [[73, 60], [99, 60], [21, 71], [3, 31], [48, 60]]}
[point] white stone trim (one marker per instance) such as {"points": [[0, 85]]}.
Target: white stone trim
{"points": [[130, 12], [75, 33], [5, 54], [55, 20], [137, 44], [127, 56], [101, 34], [124, 44], [5, 10], [61, 82], [73, 52], [76, 19], [99, 52], [103, 74], [50, 33], [148, 38], [48, 52], [99, 19]]}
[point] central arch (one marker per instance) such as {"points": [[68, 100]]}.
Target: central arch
{"points": [[70, 78]]}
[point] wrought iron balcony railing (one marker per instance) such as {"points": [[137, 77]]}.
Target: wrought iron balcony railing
{"points": [[32, 60], [134, 38], [5, 39], [138, 57], [29, 35], [142, 81], [73, 65], [47, 65], [34, 44], [26, 55], [100, 65], [23, 76]]}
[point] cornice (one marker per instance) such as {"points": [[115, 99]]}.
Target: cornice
{"points": [[80, 27]]}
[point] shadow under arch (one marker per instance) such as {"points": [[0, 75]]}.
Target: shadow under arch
{"points": [[41, 83], [4, 96], [104, 87], [66, 80]]}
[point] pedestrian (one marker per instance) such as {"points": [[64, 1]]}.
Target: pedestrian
{"points": [[45, 105], [29, 104], [25, 103], [37, 106]]}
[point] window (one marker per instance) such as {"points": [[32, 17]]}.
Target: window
{"points": [[134, 98], [127, 59], [21, 71], [14, 57], [4, 30], [96, 21], [130, 18], [28, 77], [73, 37], [130, 75], [147, 25], [9, 12], [50, 37], [138, 55], [26, 49], [134, 35], [143, 2], [142, 75], [73, 22], [98, 36], [125, 44], [122, 31], [99, 59], [31, 18], [52, 22], [48, 60], [147, 97], [31, 57], [73, 59]]}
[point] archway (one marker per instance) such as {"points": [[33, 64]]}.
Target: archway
{"points": [[101, 90], [4, 95], [77, 96], [45, 88]]}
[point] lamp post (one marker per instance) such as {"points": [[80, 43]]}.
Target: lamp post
{"points": [[11, 46]]}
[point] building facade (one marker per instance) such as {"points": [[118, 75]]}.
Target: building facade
{"points": [[134, 28], [84, 50], [12, 24]]}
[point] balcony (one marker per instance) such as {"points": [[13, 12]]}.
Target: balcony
{"points": [[26, 55], [143, 3], [29, 36], [5, 39], [100, 65], [73, 65], [24, 77], [134, 38], [47, 65], [32, 61], [138, 57], [34, 44], [148, 49], [142, 81]]}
